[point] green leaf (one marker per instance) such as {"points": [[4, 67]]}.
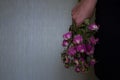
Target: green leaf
{"points": [[80, 32], [87, 21]]}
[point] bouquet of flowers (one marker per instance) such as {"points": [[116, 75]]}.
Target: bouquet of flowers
{"points": [[79, 45]]}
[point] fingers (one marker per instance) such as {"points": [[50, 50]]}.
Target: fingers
{"points": [[79, 21], [75, 9], [76, 15], [78, 18]]}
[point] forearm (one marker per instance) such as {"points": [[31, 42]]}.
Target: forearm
{"points": [[89, 0], [93, 2], [89, 3]]}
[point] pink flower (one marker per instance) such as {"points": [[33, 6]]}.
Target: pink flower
{"points": [[93, 40], [67, 60], [92, 62], [93, 27], [67, 35], [77, 39], [65, 43], [72, 51], [77, 69], [81, 48], [76, 62], [89, 49], [83, 70], [82, 60]]}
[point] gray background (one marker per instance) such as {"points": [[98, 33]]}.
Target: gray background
{"points": [[30, 40]]}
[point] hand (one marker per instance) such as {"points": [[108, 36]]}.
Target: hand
{"points": [[83, 10]]}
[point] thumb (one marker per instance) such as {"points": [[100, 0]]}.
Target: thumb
{"points": [[79, 21]]}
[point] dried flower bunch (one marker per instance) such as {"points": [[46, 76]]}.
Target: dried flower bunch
{"points": [[79, 45]]}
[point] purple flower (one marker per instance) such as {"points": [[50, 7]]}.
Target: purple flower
{"points": [[72, 51], [92, 62], [89, 49], [65, 43], [77, 69], [67, 35], [82, 60], [93, 27], [93, 40], [86, 65], [81, 48], [77, 39]]}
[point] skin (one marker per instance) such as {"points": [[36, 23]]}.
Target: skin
{"points": [[83, 10]]}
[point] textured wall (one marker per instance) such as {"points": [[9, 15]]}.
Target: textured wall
{"points": [[30, 40]]}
